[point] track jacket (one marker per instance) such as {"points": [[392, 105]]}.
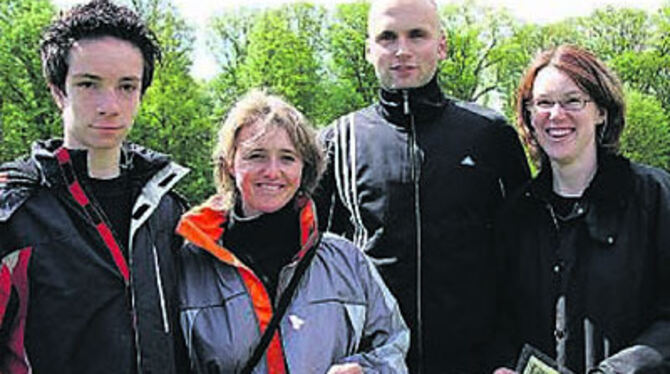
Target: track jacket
{"points": [[591, 288], [340, 312], [69, 300], [415, 180]]}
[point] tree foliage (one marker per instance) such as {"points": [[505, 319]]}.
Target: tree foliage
{"points": [[354, 81], [174, 117], [26, 109], [646, 137], [315, 57]]}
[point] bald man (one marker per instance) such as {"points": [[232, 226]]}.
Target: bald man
{"points": [[416, 180]]}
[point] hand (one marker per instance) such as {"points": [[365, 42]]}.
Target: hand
{"points": [[351, 368], [504, 371]]}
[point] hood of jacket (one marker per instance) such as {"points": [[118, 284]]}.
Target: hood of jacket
{"points": [[20, 178]]}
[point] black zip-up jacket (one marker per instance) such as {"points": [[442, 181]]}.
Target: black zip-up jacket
{"points": [[70, 302], [590, 288], [420, 176]]}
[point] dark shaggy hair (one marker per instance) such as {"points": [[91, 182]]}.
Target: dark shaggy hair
{"points": [[98, 18]]}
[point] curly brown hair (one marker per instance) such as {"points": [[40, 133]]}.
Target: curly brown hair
{"points": [[95, 19]]}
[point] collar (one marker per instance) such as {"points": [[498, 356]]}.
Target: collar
{"points": [[205, 225], [141, 163], [612, 182], [424, 103]]}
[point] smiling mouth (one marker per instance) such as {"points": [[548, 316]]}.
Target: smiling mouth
{"points": [[559, 133], [270, 187]]}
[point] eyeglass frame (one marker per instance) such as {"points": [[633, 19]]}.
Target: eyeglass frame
{"points": [[534, 108]]}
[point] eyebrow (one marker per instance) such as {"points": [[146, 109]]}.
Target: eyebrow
{"points": [[86, 76], [572, 92], [98, 78]]}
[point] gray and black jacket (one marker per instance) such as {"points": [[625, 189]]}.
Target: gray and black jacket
{"points": [[340, 312], [70, 302]]}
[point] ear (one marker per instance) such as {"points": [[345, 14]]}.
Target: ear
{"points": [[602, 115], [58, 96], [230, 169], [442, 46], [368, 53]]}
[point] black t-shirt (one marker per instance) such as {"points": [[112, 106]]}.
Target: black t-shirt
{"points": [[115, 199], [113, 196], [564, 206]]}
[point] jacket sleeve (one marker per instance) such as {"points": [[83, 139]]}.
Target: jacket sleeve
{"points": [[332, 215], [384, 341], [651, 349], [513, 163]]}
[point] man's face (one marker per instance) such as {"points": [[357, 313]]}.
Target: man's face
{"points": [[404, 43], [102, 92]]}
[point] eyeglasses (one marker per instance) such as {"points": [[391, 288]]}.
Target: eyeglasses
{"points": [[570, 104]]}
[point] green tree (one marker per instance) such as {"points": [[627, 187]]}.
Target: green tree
{"points": [[648, 70], [646, 137], [283, 55], [610, 31], [27, 111], [475, 36], [354, 83], [174, 117], [228, 40]]}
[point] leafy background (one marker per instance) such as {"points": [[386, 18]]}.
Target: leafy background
{"points": [[315, 57]]}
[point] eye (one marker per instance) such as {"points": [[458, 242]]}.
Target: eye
{"points": [[256, 156], [417, 33], [386, 36], [544, 104], [85, 84], [288, 158], [572, 103], [128, 87]]}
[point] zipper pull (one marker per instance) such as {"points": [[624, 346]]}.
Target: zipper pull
{"points": [[405, 100]]}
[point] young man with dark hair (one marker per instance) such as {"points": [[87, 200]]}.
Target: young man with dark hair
{"points": [[87, 280]]}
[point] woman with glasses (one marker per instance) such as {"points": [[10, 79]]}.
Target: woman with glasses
{"points": [[262, 291], [585, 246]]}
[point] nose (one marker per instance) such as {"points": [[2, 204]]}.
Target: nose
{"points": [[403, 48], [108, 102], [272, 168], [556, 110]]}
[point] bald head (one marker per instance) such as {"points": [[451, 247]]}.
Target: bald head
{"points": [[395, 8], [405, 42]]}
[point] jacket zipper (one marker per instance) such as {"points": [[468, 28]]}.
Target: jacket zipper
{"points": [[161, 292], [415, 175], [127, 284]]}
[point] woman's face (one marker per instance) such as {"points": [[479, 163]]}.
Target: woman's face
{"points": [[564, 118], [267, 169]]}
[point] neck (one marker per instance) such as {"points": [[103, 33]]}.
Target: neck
{"points": [[103, 163], [571, 180], [424, 102]]}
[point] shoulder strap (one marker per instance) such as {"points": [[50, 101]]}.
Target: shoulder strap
{"points": [[284, 301], [93, 213]]}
